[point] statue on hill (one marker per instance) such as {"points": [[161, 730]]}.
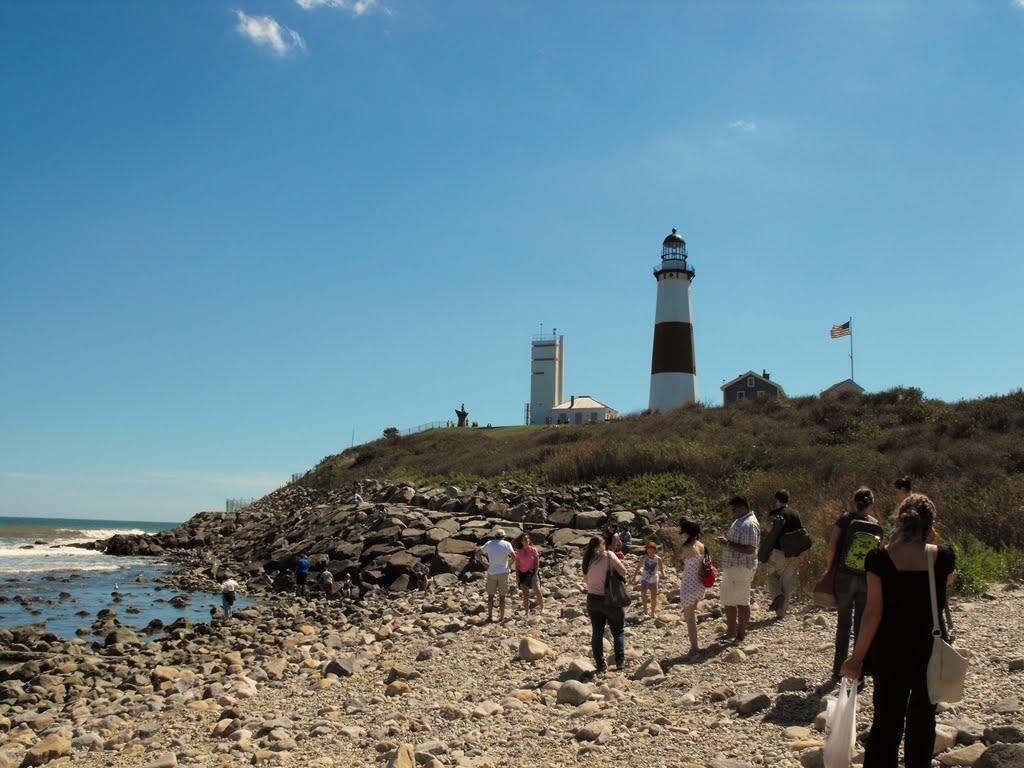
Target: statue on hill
{"points": [[463, 415]]}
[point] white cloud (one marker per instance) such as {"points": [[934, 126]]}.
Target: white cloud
{"points": [[355, 7], [264, 30], [749, 126], [1018, 4]]}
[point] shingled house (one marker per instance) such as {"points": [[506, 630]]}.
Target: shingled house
{"points": [[751, 386]]}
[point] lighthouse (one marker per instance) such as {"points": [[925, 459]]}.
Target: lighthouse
{"points": [[673, 365]]}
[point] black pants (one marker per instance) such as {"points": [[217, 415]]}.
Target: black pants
{"points": [[901, 707], [851, 599], [600, 615]]}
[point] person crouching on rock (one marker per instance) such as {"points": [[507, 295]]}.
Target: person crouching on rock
{"points": [[651, 570], [596, 562], [228, 591], [301, 574], [528, 572], [497, 557]]}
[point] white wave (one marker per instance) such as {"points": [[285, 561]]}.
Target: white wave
{"points": [[93, 534], [64, 567], [46, 550]]}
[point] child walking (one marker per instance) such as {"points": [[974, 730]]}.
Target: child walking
{"points": [[651, 570]]}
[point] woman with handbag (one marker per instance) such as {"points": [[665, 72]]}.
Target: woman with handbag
{"points": [[691, 578], [907, 582], [600, 566]]}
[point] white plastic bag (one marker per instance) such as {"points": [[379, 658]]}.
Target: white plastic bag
{"points": [[841, 726]]}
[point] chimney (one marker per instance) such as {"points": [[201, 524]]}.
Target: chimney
{"points": [[767, 376], [572, 401]]}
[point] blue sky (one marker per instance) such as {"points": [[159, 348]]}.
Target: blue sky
{"points": [[232, 233]]}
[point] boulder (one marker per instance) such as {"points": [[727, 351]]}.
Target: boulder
{"points": [[532, 649], [574, 692], [47, 749], [590, 519], [964, 755], [1002, 756]]}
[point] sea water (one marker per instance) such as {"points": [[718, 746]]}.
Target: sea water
{"points": [[44, 580]]}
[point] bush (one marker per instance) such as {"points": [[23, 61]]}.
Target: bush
{"points": [[977, 566]]}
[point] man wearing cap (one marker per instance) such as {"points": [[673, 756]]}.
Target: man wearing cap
{"points": [[496, 556]]}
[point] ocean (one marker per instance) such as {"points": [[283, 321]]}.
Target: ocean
{"points": [[42, 580]]}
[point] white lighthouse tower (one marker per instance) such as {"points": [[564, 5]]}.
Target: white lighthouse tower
{"points": [[545, 376], [673, 365]]}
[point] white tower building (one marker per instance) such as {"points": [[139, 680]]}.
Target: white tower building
{"points": [[546, 376], [673, 365]]}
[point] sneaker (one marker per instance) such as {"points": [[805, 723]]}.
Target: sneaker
{"points": [[776, 604]]}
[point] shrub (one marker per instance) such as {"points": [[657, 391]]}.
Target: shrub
{"points": [[977, 566]]}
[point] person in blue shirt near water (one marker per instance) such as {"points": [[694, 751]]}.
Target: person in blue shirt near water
{"points": [[301, 574]]}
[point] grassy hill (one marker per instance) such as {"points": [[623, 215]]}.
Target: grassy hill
{"points": [[968, 456]]}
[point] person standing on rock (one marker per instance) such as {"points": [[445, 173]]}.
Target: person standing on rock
{"points": [[781, 569], [326, 580], [691, 578], [896, 635], [528, 572], [301, 574], [739, 561], [346, 587], [497, 557], [651, 570], [854, 535], [228, 592], [596, 562]]}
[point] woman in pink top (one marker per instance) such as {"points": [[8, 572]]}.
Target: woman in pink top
{"points": [[528, 572], [596, 562]]}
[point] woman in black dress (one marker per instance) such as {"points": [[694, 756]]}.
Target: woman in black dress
{"points": [[896, 637]]}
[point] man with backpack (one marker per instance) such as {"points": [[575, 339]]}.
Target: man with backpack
{"points": [[783, 543], [854, 535]]}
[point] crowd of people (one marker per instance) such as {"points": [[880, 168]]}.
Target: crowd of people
{"points": [[880, 585], [889, 591]]}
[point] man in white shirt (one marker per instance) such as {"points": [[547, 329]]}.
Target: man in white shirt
{"points": [[228, 590], [496, 556]]}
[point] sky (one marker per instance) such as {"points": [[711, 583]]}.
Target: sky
{"points": [[234, 235]]}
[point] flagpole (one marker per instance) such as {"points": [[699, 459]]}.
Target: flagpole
{"points": [[851, 348]]}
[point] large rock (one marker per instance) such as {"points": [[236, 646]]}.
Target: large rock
{"points": [[590, 519], [574, 692], [49, 748], [963, 755], [532, 649], [1002, 756], [404, 757], [121, 635]]}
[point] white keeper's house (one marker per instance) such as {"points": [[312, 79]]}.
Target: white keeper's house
{"points": [[582, 409]]}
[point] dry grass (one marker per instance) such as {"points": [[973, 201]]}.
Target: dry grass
{"points": [[968, 456]]}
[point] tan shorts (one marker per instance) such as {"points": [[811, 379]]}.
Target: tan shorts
{"points": [[497, 583], [735, 587]]}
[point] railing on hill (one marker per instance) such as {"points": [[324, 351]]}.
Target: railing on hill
{"points": [[425, 427]]}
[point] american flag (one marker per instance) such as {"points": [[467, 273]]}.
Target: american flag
{"points": [[838, 331]]}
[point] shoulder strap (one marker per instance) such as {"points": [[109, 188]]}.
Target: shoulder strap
{"points": [[930, 552]]}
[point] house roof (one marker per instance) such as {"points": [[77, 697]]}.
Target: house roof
{"points": [[743, 376], [584, 402], [845, 384]]}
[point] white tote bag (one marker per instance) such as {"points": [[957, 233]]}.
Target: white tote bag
{"points": [[841, 726], [946, 668]]}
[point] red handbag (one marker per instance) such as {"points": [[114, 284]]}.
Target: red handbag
{"points": [[708, 572]]}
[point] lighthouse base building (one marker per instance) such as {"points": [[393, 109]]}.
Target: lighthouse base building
{"points": [[673, 362]]}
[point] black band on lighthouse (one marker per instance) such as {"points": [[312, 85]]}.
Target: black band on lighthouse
{"points": [[673, 349]]}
